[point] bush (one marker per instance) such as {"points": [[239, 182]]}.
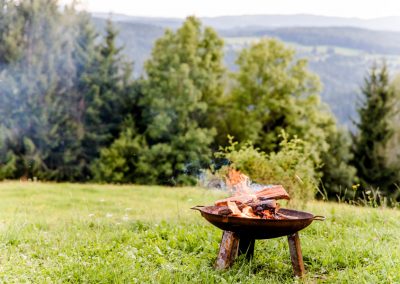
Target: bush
{"points": [[291, 166], [117, 164]]}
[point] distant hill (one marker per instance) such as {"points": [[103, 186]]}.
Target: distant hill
{"points": [[341, 55], [301, 20], [383, 42], [269, 21]]}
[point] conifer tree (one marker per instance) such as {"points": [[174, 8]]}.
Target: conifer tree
{"points": [[30, 84], [338, 174], [41, 136], [107, 86], [374, 132]]}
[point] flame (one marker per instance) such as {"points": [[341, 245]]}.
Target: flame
{"points": [[245, 202], [238, 183]]}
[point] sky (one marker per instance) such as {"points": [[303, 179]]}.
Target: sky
{"points": [[366, 9]]}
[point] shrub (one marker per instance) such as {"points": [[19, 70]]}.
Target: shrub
{"points": [[117, 164], [291, 166]]}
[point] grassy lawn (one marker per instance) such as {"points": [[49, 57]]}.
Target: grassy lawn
{"points": [[136, 234]]}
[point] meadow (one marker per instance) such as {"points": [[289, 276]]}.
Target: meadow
{"points": [[89, 233]]}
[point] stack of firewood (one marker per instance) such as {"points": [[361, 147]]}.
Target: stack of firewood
{"points": [[249, 204]]}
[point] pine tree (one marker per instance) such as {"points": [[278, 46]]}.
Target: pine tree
{"points": [[64, 95], [107, 85], [374, 133], [10, 35], [392, 151], [30, 79], [41, 136], [338, 175]]}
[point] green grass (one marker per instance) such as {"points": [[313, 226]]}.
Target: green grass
{"points": [[56, 233]]}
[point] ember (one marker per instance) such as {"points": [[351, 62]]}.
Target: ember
{"points": [[249, 204]]}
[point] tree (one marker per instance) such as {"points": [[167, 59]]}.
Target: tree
{"points": [[107, 88], [119, 162], [374, 132], [392, 151], [338, 175], [39, 136], [272, 92], [10, 36], [183, 81], [64, 93], [53, 72]]}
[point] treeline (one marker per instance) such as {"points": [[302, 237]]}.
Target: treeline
{"points": [[70, 109], [65, 92], [371, 41]]}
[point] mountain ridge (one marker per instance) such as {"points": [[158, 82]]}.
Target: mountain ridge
{"points": [[390, 23]]}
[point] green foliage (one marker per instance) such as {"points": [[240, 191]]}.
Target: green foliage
{"points": [[341, 71], [119, 162], [10, 38], [273, 91], [183, 76], [374, 132], [41, 129], [338, 173], [291, 166], [392, 149], [107, 99], [7, 160], [64, 93], [71, 111]]}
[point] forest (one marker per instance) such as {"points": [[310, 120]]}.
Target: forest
{"points": [[339, 55], [71, 110]]}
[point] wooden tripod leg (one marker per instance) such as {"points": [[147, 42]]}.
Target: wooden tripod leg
{"points": [[228, 250], [246, 246], [296, 255]]}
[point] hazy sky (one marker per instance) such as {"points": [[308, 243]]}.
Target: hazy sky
{"points": [[182, 8]]}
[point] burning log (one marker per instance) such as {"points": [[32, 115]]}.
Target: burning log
{"points": [[240, 199], [273, 192], [263, 205], [265, 209], [249, 212], [235, 210], [224, 210], [249, 204]]}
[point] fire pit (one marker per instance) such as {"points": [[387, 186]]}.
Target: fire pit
{"points": [[250, 216], [240, 234]]}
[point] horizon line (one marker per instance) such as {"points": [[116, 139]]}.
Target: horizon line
{"points": [[240, 15]]}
